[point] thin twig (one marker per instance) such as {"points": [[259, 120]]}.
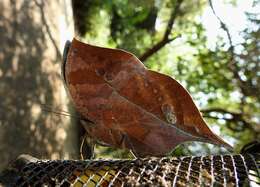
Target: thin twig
{"points": [[235, 116], [232, 64], [165, 40], [219, 110]]}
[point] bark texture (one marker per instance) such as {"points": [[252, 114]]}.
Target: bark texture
{"points": [[32, 35]]}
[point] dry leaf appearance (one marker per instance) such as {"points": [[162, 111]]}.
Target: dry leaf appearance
{"points": [[131, 107]]}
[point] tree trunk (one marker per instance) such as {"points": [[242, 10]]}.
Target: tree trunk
{"points": [[32, 35]]}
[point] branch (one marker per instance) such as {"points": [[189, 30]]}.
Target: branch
{"points": [[223, 26], [232, 64], [220, 110], [235, 118], [165, 40]]}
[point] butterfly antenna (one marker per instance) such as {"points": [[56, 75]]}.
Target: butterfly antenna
{"points": [[58, 112]]}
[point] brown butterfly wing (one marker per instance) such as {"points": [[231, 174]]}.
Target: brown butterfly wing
{"points": [[131, 106]]}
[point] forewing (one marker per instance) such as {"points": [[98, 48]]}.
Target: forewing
{"points": [[131, 106]]}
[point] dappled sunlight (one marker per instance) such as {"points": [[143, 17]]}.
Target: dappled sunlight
{"points": [[30, 77]]}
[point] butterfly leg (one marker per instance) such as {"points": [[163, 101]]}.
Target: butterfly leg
{"points": [[119, 138], [132, 148], [125, 142], [87, 148]]}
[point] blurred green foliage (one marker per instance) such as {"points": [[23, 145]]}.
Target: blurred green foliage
{"points": [[224, 80]]}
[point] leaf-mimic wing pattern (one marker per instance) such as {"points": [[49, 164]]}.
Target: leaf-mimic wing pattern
{"points": [[131, 107]]}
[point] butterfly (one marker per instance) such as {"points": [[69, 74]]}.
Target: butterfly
{"points": [[129, 106]]}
